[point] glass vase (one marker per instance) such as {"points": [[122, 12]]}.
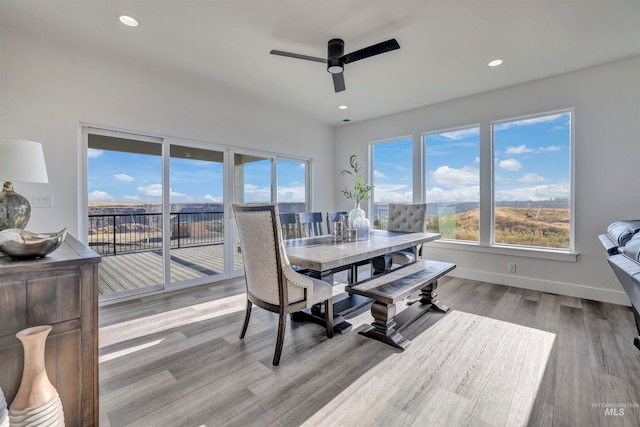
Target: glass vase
{"points": [[362, 226], [355, 213]]}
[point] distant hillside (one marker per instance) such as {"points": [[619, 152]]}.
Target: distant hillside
{"points": [[548, 227], [131, 208], [127, 208]]}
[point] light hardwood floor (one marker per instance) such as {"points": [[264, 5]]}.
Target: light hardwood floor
{"points": [[502, 356]]}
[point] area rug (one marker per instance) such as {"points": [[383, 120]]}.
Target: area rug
{"points": [[463, 370]]}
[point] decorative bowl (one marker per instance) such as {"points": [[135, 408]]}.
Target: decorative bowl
{"points": [[23, 244]]}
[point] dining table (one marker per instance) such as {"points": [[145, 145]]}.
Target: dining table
{"points": [[321, 257]]}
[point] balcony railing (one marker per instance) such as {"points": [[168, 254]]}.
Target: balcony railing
{"points": [[114, 234]]}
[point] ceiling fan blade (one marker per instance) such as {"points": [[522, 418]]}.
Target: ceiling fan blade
{"points": [[338, 82], [298, 56], [371, 51]]}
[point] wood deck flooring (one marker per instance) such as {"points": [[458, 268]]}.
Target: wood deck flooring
{"points": [[139, 270], [502, 357]]}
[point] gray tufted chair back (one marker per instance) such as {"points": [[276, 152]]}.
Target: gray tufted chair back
{"points": [[408, 218]]}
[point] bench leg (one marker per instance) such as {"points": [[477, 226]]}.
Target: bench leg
{"points": [[429, 296], [383, 327]]}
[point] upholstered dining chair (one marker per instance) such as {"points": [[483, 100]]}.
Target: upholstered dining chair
{"points": [[271, 282], [405, 218], [310, 223]]}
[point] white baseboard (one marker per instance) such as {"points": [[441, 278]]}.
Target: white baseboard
{"points": [[560, 288]]}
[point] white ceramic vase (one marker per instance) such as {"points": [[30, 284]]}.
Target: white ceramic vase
{"points": [[37, 402]]}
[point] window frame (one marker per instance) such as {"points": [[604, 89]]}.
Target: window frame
{"points": [[571, 249], [423, 172], [371, 167]]}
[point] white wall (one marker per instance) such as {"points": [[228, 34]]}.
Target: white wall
{"points": [[46, 90], [607, 147]]}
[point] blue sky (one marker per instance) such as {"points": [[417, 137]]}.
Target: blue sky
{"points": [[531, 163], [126, 177], [532, 160]]}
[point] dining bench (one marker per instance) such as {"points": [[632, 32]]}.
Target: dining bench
{"points": [[388, 289]]}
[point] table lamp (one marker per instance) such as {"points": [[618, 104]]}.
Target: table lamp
{"points": [[20, 161]]}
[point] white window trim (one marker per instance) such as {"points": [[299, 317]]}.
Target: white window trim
{"points": [[519, 251]]}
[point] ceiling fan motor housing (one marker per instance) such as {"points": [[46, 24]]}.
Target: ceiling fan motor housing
{"points": [[335, 51]]}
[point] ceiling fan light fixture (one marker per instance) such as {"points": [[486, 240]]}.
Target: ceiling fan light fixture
{"points": [[336, 59]]}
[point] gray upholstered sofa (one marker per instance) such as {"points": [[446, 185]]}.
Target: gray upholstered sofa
{"points": [[622, 242]]}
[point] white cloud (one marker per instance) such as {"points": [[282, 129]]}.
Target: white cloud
{"points": [[469, 193], [93, 153], [477, 160], [445, 175], [535, 193], [123, 177], [511, 165], [528, 122], [551, 148], [378, 174], [212, 199], [294, 194], [520, 149], [460, 134], [128, 197], [531, 178], [155, 190], [393, 193], [100, 196], [253, 193]]}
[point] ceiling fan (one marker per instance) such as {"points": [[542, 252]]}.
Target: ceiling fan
{"points": [[336, 59]]}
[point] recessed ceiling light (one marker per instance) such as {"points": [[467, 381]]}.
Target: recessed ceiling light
{"points": [[343, 107], [495, 63], [127, 20]]}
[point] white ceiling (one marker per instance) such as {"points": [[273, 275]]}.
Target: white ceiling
{"points": [[445, 45]]}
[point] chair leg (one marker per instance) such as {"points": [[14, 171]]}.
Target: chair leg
{"points": [[328, 317], [282, 324], [246, 319]]}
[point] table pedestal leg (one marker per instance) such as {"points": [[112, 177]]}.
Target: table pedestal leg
{"points": [[428, 295], [383, 327]]}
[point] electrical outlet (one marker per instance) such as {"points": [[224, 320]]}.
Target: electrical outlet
{"points": [[512, 267]]}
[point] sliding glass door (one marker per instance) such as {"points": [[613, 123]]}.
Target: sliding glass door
{"points": [[252, 182], [196, 193], [124, 203], [159, 209]]}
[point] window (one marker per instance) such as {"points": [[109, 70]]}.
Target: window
{"points": [[532, 181], [292, 185], [453, 182], [392, 177]]}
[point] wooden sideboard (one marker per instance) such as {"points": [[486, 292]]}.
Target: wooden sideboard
{"points": [[60, 290]]}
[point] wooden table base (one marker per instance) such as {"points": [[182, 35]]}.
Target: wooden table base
{"points": [[387, 324]]}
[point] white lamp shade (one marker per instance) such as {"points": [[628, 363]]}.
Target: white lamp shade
{"points": [[22, 161]]}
